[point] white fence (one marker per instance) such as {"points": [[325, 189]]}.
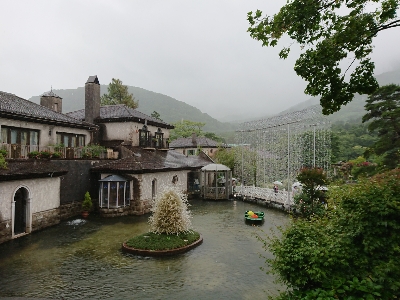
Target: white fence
{"points": [[265, 194]]}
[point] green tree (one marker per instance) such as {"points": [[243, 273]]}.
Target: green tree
{"points": [[214, 137], [310, 201], [118, 94], [186, 128], [156, 115], [383, 108], [350, 253], [350, 140], [330, 33], [226, 156]]}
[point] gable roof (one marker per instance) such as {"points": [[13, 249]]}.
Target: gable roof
{"points": [[199, 142], [150, 161], [14, 107], [121, 113], [93, 79]]}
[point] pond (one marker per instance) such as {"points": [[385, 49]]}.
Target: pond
{"points": [[82, 259]]}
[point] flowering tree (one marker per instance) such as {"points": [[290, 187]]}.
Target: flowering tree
{"points": [[170, 213]]}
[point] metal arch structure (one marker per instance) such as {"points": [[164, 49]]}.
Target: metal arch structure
{"points": [[275, 149]]}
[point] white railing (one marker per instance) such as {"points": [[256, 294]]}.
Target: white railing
{"points": [[265, 194]]}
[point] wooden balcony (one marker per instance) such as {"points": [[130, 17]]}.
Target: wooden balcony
{"points": [[17, 151]]}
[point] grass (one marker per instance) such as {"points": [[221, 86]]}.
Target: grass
{"points": [[153, 241]]}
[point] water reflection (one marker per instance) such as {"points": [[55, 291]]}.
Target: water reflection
{"points": [[83, 260]]}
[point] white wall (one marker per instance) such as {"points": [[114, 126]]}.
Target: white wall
{"points": [[209, 151], [44, 194], [163, 179], [129, 131], [44, 138]]}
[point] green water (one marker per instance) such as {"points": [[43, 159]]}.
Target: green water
{"points": [[84, 261]]}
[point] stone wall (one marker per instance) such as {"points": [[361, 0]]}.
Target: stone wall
{"points": [[5, 231], [70, 210], [78, 180], [45, 219]]}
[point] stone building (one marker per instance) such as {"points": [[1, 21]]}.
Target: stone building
{"points": [[194, 144], [39, 189]]}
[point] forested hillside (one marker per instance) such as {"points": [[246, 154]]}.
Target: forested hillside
{"points": [[170, 109], [355, 109]]}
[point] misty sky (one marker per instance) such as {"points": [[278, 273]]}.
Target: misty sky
{"points": [[197, 52]]}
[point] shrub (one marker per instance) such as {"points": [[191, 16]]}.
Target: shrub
{"points": [[87, 202], [56, 155], [351, 252], [34, 154], [92, 151], [3, 152], [44, 154], [3, 163]]}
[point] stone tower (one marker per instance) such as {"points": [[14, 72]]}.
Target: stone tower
{"points": [[92, 99], [51, 101]]}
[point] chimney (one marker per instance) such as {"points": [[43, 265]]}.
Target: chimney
{"points": [[51, 101], [92, 99], [194, 138]]}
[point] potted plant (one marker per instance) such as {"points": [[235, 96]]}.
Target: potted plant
{"points": [[86, 205]]}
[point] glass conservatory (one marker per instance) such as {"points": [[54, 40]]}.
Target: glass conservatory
{"points": [[114, 192]]}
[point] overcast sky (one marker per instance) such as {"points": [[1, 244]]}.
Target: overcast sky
{"points": [[197, 52]]}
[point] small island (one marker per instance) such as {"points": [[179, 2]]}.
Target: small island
{"points": [[170, 228]]}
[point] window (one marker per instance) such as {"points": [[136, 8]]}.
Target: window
{"points": [[70, 139], [21, 136], [191, 152], [144, 136], [158, 138]]}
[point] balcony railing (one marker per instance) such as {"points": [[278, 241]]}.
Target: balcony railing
{"points": [[23, 151]]}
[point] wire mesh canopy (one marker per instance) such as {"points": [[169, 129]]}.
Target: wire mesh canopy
{"points": [[280, 146]]}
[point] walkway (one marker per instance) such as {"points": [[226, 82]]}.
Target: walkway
{"points": [[265, 196]]}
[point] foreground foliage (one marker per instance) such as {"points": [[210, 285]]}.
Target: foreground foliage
{"points": [[352, 252], [332, 34], [153, 241]]}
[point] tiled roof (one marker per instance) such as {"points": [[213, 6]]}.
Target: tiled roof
{"points": [[26, 169], [93, 79], [188, 143], [143, 161], [12, 106], [121, 111]]}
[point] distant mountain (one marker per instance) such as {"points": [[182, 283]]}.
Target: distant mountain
{"points": [[170, 109], [355, 109]]}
